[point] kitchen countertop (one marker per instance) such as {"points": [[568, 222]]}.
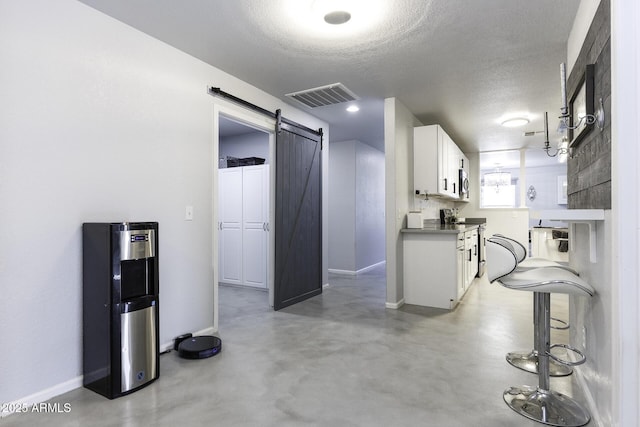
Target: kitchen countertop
{"points": [[441, 229]]}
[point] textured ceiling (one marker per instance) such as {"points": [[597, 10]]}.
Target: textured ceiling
{"points": [[460, 63]]}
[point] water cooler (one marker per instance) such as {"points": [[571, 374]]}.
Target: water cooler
{"points": [[120, 306]]}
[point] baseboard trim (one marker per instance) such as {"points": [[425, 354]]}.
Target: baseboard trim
{"points": [[355, 273], [27, 402], [394, 305]]}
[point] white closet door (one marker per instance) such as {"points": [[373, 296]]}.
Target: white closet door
{"points": [[230, 210], [255, 197]]}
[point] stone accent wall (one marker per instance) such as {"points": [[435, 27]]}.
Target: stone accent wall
{"points": [[589, 164]]}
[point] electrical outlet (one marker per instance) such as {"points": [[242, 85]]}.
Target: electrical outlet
{"points": [[188, 213]]}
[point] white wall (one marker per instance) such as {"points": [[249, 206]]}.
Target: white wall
{"points": [[586, 11], [342, 207], [591, 319], [99, 122], [356, 207], [370, 244], [399, 199], [545, 180], [625, 215]]}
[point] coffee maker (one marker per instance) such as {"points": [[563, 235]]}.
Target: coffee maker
{"points": [[445, 216]]}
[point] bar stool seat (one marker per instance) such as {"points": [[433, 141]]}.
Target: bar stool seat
{"points": [[540, 403], [548, 279]]}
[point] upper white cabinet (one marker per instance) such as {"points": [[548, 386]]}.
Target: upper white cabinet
{"points": [[437, 161]]}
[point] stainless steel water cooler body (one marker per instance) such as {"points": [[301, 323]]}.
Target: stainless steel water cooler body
{"points": [[120, 306]]}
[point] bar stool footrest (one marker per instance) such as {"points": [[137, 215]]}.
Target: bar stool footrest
{"points": [[581, 357], [565, 325]]}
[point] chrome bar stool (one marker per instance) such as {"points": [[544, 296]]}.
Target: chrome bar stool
{"points": [[540, 403], [528, 360]]}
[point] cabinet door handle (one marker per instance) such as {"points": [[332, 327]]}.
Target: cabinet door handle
{"points": [[219, 226], [475, 250], [469, 254], [445, 184], [454, 188]]}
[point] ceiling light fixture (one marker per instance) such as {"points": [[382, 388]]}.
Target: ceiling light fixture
{"points": [[515, 122], [497, 179], [353, 108], [321, 21], [337, 17]]}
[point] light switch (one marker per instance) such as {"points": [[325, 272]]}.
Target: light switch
{"points": [[188, 213]]}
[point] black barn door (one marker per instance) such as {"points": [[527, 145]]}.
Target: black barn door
{"points": [[298, 220]]}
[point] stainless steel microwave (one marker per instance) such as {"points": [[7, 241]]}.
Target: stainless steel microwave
{"points": [[464, 184]]}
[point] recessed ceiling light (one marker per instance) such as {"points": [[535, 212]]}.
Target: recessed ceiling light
{"points": [[337, 17], [353, 108], [515, 122], [312, 21]]}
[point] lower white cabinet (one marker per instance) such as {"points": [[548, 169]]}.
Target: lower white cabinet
{"points": [[461, 277], [545, 246], [438, 268], [471, 256], [243, 225]]}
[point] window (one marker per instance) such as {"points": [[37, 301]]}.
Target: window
{"points": [[492, 196], [499, 179]]}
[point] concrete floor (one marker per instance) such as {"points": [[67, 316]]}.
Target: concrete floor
{"points": [[339, 359]]}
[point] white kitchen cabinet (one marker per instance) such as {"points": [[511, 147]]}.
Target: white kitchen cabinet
{"points": [[454, 155], [464, 163], [433, 269], [436, 162], [471, 256], [244, 225], [461, 279]]}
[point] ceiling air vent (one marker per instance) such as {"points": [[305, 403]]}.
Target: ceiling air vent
{"points": [[336, 93]]}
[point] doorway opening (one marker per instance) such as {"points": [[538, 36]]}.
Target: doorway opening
{"points": [[294, 248], [243, 214]]}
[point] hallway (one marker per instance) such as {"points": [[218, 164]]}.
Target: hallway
{"points": [[338, 359]]}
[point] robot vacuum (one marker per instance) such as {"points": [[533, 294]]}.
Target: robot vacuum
{"points": [[201, 347]]}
